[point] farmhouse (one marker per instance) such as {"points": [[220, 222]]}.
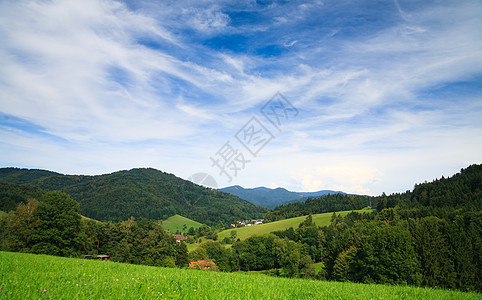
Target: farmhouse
{"points": [[203, 265], [179, 238]]}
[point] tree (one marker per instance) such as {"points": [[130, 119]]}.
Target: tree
{"points": [[343, 265], [256, 253], [432, 250], [389, 255], [182, 259], [291, 261], [310, 236], [198, 254], [19, 226], [58, 232], [191, 231]]}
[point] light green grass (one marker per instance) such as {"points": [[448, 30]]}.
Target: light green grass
{"points": [[89, 219], [191, 247], [26, 276], [177, 222], [318, 267], [246, 232]]}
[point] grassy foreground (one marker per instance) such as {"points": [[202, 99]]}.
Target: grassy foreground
{"points": [[28, 276], [246, 232]]}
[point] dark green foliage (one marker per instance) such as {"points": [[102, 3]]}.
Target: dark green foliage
{"points": [[17, 228], [463, 190], [433, 252], [198, 254], [140, 242], [388, 256], [269, 251], [181, 255], [309, 235], [223, 257], [13, 194], [256, 253], [370, 252], [53, 226], [328, 203], [58, 231], [146, 193], [395, 248]]}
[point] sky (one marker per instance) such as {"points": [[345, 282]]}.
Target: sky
{"points": [[359, 96]]}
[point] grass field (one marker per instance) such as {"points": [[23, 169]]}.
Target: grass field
{"points": [[28, 276], [180, 223], [245, 232], [89, 219]]}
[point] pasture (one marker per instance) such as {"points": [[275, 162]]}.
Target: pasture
{"points": [[179, 223], [246, 232]]}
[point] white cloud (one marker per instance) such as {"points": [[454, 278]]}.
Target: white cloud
{"points": [[206, 20], [348, 176]]}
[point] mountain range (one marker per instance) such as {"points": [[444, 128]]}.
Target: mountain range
{"points": [[271, 198]]}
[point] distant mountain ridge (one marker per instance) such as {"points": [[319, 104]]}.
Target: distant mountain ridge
{"points": [[141, 193], [271, 198]]}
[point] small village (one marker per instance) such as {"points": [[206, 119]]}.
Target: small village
{"points": [[246, 223]]}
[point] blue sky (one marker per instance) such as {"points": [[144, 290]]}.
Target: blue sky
{"points": [[387, 93]]}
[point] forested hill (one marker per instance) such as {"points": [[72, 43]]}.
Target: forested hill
{"points": [[463, 190], [142, 192], [271, 198], [323, 204]]}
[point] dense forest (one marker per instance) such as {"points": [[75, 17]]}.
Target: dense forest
{"points": [[140, 193], [459, 191], [52, 225], [430, 236]]}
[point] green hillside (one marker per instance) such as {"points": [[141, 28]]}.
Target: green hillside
{"points": [[246, 232], [141, 193], [179, 223], [12, 194], [29, 276]]}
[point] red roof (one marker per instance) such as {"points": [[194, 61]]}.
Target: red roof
{"points": [[179, 237], [203, 265]]}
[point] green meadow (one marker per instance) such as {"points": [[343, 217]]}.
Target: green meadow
{"points": [[246, 232], [177, 222], [29, 276]]}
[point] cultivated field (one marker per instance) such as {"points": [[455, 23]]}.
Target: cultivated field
{"points": [[28, 276]]}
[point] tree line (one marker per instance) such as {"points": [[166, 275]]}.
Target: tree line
{"points": [[323, 204], [463, 190], [53, 226]]}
